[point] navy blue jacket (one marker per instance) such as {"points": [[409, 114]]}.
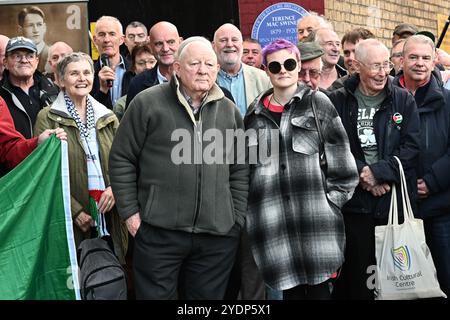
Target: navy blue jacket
{"points": [[142, 81], [401, 140], [434, 158]]}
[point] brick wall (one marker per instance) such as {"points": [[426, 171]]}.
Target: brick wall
{"points": [[381, 16], [249, 10]]}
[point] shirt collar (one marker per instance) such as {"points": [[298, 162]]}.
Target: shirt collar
{"points": [[161, 78], [121, 63], [189, 99], [224, 74]]}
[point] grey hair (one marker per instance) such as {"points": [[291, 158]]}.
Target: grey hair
{"points": [[137, 24], [362, 48], [73, 57], [419, 38], [182, 48], [318, 37], [323, 23], [111, 18]]}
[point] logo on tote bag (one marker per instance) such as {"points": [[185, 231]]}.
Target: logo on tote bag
{"points": [[402, 258]]}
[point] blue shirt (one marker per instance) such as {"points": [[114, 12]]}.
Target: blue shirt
{"points": [[447, 84], [236, 85]]}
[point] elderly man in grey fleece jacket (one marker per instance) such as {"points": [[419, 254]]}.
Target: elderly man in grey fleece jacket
{"points": [[184, 210]]}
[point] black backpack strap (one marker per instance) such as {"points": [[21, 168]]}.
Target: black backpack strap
{"points": [[322, 156]]}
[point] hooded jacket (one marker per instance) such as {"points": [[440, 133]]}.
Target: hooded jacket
{"points": [[393, 139]]}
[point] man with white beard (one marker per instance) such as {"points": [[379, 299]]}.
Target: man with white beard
{"points": [[244, 82]]}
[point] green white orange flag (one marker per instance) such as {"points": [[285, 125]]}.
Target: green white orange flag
{"points": [[37, 251]]}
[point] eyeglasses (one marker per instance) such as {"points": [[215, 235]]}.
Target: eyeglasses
{"points": [[289, 65], [132, 36], [313, 73], [376, 67], [18, 57]]}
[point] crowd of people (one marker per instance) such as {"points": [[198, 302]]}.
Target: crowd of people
{"points": [[284, 209]]}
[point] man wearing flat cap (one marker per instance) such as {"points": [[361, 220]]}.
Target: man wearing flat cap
{"points": [[310, 53], [25, 90], [403, 31]]}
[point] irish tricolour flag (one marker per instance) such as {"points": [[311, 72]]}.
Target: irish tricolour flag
{"points": [[37, 251]]}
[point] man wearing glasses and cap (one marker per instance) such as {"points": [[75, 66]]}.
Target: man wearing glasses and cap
{"points": [[311, 66], [381, 120], [25, 90]]}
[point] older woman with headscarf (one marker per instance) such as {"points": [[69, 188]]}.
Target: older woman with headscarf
{"points": [[90, 128]]}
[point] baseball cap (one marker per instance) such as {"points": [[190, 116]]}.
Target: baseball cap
{"points": [[20, 43], [405, 28], [309, 50], [427, 34]]}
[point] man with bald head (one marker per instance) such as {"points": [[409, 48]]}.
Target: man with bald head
{"points": [[184, 210], [381, 121], [244, 82], [56, 53], [164, 41], [3, 42]]}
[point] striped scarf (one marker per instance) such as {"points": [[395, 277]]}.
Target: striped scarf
{"points": [[90, 121]]}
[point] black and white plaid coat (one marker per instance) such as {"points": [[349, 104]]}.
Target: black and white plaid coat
{"points": [[294, 222]]}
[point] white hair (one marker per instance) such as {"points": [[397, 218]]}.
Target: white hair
{"points": [[364, 46], [110, 18], [419, 38], [185, 44]]}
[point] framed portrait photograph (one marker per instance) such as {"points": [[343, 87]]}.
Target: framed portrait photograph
{"points": [[47, 22]]}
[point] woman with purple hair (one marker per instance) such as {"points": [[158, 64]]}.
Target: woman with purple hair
{"points": [[294, 218]]}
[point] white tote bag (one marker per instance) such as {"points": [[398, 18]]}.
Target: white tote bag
{"points": [[405, 268]]}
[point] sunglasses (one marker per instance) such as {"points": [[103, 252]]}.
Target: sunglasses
{"points": [[275, 66]]}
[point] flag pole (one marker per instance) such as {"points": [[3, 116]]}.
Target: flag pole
{"points": [[444, 31]]}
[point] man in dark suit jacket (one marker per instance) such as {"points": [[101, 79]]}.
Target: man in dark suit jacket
{"points": [[164, 41]]}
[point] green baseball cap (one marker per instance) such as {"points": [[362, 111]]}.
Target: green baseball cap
{"points": [[309, 50]]}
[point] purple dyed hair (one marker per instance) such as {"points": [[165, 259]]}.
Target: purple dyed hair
{"points": [[277, 45]]}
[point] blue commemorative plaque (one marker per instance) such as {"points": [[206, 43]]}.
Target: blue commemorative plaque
{"points": [[278, 21]]}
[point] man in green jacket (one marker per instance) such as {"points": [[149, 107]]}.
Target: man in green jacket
{"points": [[178, 182]]}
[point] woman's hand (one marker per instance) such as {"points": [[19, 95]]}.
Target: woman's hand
{"points": [[107, 201], [84, 221], [60, 134]]}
